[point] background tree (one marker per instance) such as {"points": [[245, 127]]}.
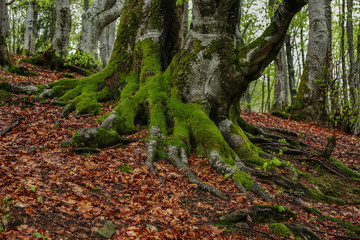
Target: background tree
{"points": [[310, 103], [95, 19], [63, 27], [30, 29]]}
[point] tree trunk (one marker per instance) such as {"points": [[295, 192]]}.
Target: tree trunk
{"points": [[281, 93], [343, 56], [30, 29], [107, 40], [311, 99], [187, 93], [354, 72], [94, 20], [291, 71], [63, 21], [4, 55]]}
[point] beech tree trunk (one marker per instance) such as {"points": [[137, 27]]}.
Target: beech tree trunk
{"points": [[291, 71], [63, 27], [354, 72], [187, 91], [107, 40], [4, 55], [30, 29], [310, 103], [281, 94], [95, 19]]}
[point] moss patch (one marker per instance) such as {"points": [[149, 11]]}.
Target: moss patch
{"points": [[280, 229], [245, 179]]}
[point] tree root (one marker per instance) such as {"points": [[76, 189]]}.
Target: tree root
{"points": [[322, 164], [302, 231], [151, 146], [178, 163]]}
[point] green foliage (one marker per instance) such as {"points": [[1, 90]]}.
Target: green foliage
{"points": [[125, 168], [79, 58], [180, 2], [272, 164]]}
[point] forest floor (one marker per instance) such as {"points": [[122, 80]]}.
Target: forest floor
{"points": [[49, 192]]}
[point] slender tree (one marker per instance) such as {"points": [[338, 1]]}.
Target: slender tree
{"points": [[310, 103], [63, 27], [281, 93], [30, 29]]}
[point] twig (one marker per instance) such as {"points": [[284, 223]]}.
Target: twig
{"points": [[10, 127]]}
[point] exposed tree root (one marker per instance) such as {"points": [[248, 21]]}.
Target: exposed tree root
{"points": [[178, 163], [151, 146], [302, 231]]}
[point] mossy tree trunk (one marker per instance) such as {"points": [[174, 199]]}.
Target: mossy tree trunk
{"points": [[186, 90], [310, 103]]}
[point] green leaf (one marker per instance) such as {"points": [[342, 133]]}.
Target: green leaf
{"points": [[37, 235]]}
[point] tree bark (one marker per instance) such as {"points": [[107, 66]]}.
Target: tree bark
{"points": [[354, 71], [63, 21], [291, 71], [30, 29], [107, 40], [281, 93], [311, 99], [95, 19]]}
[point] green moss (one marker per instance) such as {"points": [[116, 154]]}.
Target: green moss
{"points": [[344, 224], [345, 170], [255, 161], [316, 195], [280, 229], [197, 46], [5, 95], [103, 138], [87, 103], [5, 86], [245, 179]]}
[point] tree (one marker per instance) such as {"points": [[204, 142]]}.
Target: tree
{"points": [[281, 93], [311, 99], [188, 94], [63, 22], [95, 19], [30, 29], [5, 61], [107, 40]]}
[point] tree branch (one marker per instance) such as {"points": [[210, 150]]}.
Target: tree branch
{"points": [[262, 51]]}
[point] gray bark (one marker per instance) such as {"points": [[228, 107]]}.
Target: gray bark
{"points": [[30, 29], [107, 40], [311, 99], [342, 48], [63, 27], [291, 71], [281, 93], [4, 55], [354, 71], [95, 19]]}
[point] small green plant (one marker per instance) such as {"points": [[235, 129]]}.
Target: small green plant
{"points": [[39, 235], [125, 168], [40, 199], [282, 140], [275, 162], [33, 189], [226, 176]]}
